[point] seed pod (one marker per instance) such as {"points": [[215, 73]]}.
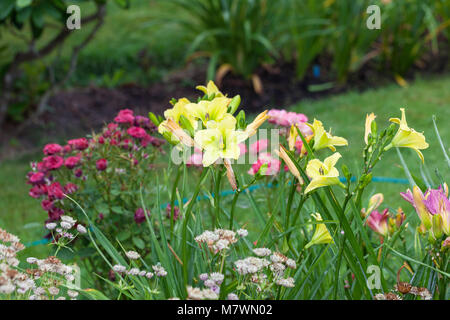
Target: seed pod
{"points": [[404, 287]]}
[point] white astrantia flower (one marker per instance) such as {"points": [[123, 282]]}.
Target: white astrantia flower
{"points": [[133, 255], [119, 268], [72, 294], [133, 272], [32, 260], [217, 277], [242, 233], [288, 282], [53, 291], [290, 263], [81, 229], [232, 296], [159, 270], [65, 225], [149, 275], [209, 283], [50, 225], [262, 252]]}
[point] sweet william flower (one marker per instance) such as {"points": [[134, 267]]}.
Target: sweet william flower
{"points": [[125, 116], [101, 164], [323, 173], [407, 137], [321, 234], [79, 144], [323, 139], [137, 132], [72, 162], [53, 162], [52, 148]]}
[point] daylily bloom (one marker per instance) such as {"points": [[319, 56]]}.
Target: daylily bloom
{"points": [[207, 110], [374, 202], [210, 89], [407, 137], [220, 140], [369, 119], [180, 109], [259, 120], [323, 173], [291, 166], [177, 132], [378, 222], [321, 234], [416, 199], [323, 139], [174, 114], [433, 202]]}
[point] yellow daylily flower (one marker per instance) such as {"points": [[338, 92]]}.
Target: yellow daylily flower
{"points": [[210, 89], [259, 120], [407, 137], [369, 119], [177, 133], [323, 173], [220, 139], [321, 234], [293, 134], [209, 110], [323, 139]]}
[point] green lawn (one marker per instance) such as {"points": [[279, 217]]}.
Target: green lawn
{"points": [[345, 113]]}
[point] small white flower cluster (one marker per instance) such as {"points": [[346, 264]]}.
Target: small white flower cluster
{"points": [[220, 239], [212, 281], [251, 265], [132, 255], [158, 270], [14, 282], [262, 252], [256, 266], [65, 225], [201, 294]]}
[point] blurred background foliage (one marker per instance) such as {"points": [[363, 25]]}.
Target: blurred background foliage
{"points": [[141, 41]]}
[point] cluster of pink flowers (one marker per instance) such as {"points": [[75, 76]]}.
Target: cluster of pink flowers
{"points": [[128, 132], [285, 118]]}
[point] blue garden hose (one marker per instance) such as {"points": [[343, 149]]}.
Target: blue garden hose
{"points": [[250, 189]]}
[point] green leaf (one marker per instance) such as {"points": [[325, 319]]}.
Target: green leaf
{"points": [[94, 294], [23, 3], [138, 242], [6, 7], [122, 236]]}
